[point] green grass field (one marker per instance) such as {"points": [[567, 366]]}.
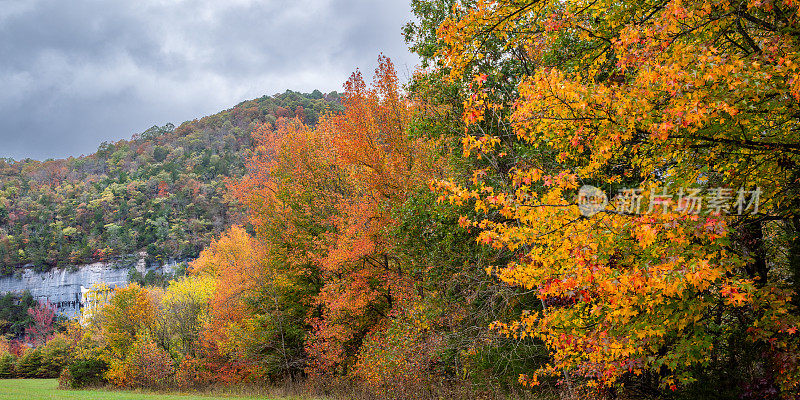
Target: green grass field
{"points": [[47, 389]]}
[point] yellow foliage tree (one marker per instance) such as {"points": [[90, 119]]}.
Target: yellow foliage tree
{"points": [[674, 108]]}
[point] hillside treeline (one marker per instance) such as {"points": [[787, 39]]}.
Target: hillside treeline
{"points": [[161, 192]]}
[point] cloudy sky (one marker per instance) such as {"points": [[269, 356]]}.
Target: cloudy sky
{"points": [[75, 73]]}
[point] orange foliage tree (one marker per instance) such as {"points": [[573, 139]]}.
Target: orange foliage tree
{"points": [[680, 103], [320, 199], [364, 284], [242, 325]]}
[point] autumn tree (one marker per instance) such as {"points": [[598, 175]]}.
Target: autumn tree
{"points": [[256, 315], [319, 200], [696, 96], [42, 327], [364, 282], [129, 311], [182, 313]]}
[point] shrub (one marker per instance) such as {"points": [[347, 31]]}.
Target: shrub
{"points": [[55, 356], [65, 379], [191, 373], [28, 365], [399, 356], [149, 366], [7, 365], [87, 373]]}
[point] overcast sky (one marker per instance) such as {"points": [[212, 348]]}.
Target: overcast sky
{"points": [[76, 73]]}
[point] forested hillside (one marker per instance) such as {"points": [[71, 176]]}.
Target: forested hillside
{"points": [[161, 192]]}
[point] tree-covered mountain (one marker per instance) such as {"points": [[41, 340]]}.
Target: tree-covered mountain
{"points": [[161, 192]]}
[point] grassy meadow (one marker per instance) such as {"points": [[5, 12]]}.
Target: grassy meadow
{"points": [[47, 389]]}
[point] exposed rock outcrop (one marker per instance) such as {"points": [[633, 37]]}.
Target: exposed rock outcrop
{"points": [[64, 288]]}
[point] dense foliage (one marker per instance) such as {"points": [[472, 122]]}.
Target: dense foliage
{"points": [[14, 317], [685, 113], [161, 192], [346, 271], [590, 199]]}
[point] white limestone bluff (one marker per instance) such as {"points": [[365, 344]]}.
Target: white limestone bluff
{"points": [[66, 288]]}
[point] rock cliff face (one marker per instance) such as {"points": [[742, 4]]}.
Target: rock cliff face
{"points": [[64, 288]]}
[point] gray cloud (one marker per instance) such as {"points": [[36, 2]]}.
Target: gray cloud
{"points": [[76, 73]]}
